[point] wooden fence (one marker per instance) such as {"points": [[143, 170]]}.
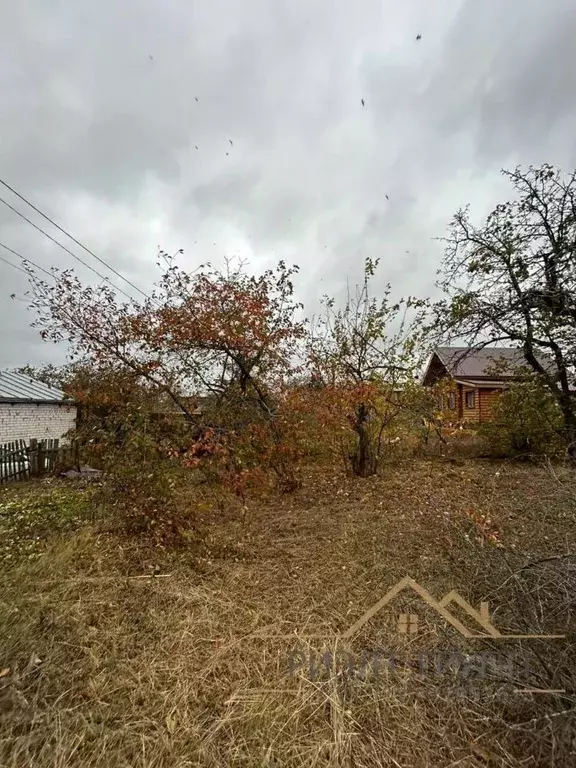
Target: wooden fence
{"points": [[22, 461]]}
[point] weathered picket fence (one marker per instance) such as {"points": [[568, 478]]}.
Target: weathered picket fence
{"points": [[20, 460]]}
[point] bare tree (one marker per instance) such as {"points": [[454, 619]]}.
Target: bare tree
{"points": [[513, 279]]}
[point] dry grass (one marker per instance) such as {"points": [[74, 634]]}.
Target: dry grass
{"points": [[192, 669]]}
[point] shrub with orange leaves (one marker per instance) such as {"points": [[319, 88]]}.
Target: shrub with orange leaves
{"points": [[227, 340], [361, 357], [216, 372]]}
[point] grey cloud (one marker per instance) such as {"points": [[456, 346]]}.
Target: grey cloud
{"points": [[103, 137]]}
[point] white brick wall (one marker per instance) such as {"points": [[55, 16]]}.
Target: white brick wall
{"points": [[43, 421]]}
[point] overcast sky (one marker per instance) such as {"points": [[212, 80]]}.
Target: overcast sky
{"points": [[116, 120]]}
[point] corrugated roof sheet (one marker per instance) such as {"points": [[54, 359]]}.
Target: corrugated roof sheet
{"points": [[15, 387], [477, 363]]}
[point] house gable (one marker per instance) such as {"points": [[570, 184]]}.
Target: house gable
{"points": [[478, 377], [435, 371]]}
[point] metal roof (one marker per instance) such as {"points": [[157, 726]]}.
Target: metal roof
{"points": [[15, 387], [478, 363]]}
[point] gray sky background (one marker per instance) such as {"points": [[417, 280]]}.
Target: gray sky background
{"points": [[102, 137]]}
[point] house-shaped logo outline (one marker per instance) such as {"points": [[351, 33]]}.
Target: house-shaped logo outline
{"points": [[480, 617]]}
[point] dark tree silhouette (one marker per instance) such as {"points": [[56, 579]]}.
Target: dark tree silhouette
{"points": [[513, 279]]}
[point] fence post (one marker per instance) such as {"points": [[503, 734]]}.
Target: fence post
{"points": [[33, 454], [54, 455], [41, 458]]}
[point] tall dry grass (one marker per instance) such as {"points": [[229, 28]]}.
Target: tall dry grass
{"points": [[109, 665]]}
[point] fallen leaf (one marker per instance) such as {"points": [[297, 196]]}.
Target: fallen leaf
{"points": [[171, 723]]}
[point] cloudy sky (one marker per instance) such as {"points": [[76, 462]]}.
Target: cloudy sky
{"points": [[116, 120]]}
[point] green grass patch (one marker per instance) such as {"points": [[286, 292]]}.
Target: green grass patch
{"points": [[33, 514]]}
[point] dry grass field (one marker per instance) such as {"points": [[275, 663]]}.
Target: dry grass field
{"points": [[219, 659]]}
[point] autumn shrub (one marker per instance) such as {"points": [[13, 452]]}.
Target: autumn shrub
{"points": [[525, 421], [347, 423], [360, 355], [226, 339], [306, 426], [126, 430], [154, 458], [152, 498]]}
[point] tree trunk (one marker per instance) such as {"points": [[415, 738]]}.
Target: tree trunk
{"points": [[567, 405], [364, 460]]}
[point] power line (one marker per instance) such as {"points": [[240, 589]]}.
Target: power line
{"points": [[65, 232], [14, 265], [19, 255], [59, 244]]}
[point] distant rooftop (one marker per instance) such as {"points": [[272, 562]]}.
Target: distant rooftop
{"points": [[479, 363], [15, 388]]}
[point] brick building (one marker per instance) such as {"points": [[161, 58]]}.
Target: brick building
{"points": [[31, 409]]}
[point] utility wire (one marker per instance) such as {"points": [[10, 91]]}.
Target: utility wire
{"points": [[65, 232], [17, 212], [13, 265], [19, 255]]}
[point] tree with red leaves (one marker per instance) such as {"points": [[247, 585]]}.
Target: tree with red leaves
{"points": [[224, 336]]}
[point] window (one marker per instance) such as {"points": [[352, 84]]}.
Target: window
{"points": [[452, 401], [470, 399]]}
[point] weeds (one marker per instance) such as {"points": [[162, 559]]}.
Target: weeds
{"points": [[32, 515]]}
